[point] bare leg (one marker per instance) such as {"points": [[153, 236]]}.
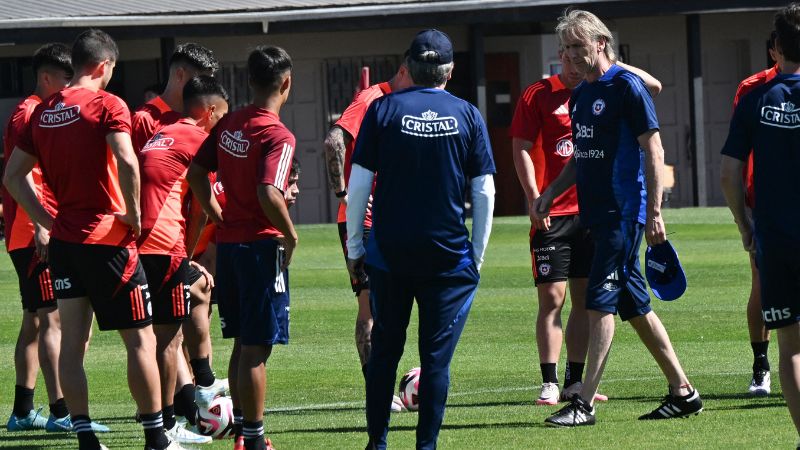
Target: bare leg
{"points": [[252, 381], [548, 321], [755, 323], [49, 350], [789, 350], [26, 353], [167, 347], [76, 319], [363, 327], [143, 375], [233, 374], [196, 330], [652, 333], [578, 322], [601, 333]]}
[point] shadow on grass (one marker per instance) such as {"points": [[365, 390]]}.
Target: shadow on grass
{"points": [[363, 429]]}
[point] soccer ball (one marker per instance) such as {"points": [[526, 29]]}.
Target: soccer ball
{"points": [[216, 420], [409, 389]]}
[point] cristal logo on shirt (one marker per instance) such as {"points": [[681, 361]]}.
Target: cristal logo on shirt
{"points": [[59, 116], [158, 142], [429, 124], [234, 144], [785, 116]]}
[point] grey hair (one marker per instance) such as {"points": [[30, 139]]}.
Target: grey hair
{"points": [[585, 26], [428, 74]]}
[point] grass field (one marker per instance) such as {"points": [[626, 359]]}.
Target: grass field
{"points": [[315, 397]]}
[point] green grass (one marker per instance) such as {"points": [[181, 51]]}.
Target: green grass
{"points": [[316, 390]]}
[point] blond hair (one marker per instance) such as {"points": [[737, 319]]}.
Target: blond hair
{"points": [[585, 26]]}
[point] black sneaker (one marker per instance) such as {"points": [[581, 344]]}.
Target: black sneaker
{"points": [[674, 406], [577, 413]]}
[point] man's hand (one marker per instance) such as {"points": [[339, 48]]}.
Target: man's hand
{"points": [[288, 244], [536, 223], [654, 231], [132, 220], [540, 209], [41, 240], [746, 231], [209, 278], [356, 269]]}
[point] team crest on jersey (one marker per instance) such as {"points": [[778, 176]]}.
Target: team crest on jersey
{"points": [[60, 116], [785, 116], [429, 124], [217, 188], [234, 144], [564, 148], [598, 107], [544, 269], [158, 142]]}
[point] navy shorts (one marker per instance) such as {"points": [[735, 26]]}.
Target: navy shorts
{"points": [[779, 270], [253, 293], [562, 252], [357, 286], [35, 283], [616, 283], [112, 277]]}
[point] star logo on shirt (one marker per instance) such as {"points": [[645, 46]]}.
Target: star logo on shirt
{"points": [[429, 115]]}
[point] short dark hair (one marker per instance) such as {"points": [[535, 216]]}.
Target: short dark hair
{"points": [[195, 55], [787, 25], [267, 66], [296, 169], [55, 55], [428, 74], [93, 46], [200, 87]]}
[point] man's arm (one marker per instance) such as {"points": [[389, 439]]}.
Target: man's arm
{"points": [[274, 206], [19, 182], [651, 83], [655, 232], [541, 206], [733, 190], [336, 143], [197, 176], [526, 172], [194, 226], [359, 191], [129, 182], [482, 188]]}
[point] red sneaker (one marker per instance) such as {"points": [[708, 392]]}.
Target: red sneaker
{"points": [[239, 444]]}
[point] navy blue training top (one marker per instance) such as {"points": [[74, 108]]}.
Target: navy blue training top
{"points": [[425, 145], [607, 117], [767, 120]]}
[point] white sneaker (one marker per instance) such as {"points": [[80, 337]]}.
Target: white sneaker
{"points": [[548, 395], [204, 394], [575, 389], [397, 405], [224, 382], [181, 435], [760, 384]]}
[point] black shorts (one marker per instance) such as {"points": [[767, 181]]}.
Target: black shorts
{"points": [[111, 277], [169, 279], [35, 284], [779, 270], [356, 285], [564, 251]]}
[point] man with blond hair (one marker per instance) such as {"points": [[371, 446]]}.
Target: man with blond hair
{"points": [[619, 197]]}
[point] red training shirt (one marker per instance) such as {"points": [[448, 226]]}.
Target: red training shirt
{"points": [[67, 134], [19, 227], [163, 163], [208, 234], [150, 118], [350, 121], [248, 147], [747, 85], [542, 117]]}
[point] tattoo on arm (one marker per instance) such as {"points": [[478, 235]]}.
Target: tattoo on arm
{"points": [[335, 147], [363, 340]]}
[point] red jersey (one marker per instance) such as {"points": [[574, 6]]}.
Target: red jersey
{"points": [[542, 117], [19, 227], [248, 147], [750, 83], [67, 134], [350, 121], [150, 118], [163, 163]]}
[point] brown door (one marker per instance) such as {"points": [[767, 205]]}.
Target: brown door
{"points": [[502, 92]]}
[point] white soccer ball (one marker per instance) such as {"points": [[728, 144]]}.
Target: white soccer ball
{"points": [[409, 389], [216, 420]]}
